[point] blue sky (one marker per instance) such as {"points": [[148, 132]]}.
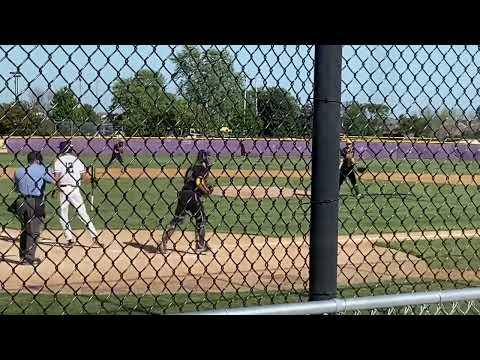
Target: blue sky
{"points": [[289, 67], [404, 77], [411, 77]]}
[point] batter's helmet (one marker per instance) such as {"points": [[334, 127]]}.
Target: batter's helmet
{"points": [[203, 157], [65, 146]]}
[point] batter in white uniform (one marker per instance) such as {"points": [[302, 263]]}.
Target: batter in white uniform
{"points": [[69, 170]]}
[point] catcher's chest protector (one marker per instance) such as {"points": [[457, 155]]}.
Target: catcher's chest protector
{"points": [[195, 172]]}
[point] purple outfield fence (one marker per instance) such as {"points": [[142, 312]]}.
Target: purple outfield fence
{"points": [[366, 150]]}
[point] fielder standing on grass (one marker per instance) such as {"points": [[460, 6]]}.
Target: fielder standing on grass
{"points": [[68, 171], [189, 200], [117, 155], [347, 167]]}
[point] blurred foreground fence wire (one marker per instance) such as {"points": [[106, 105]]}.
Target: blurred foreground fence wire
{"points": [[446, 302]]}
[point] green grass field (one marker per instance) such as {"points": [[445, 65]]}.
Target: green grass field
{"points": [[423, 166], [177, 161], [24, 303], [462, 254], [265, 162], [384, 207]]}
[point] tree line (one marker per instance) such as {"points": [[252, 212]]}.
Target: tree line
{"points": [[376, 120], [211, 95]]}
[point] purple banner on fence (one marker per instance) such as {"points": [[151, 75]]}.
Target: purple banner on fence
{"points": [[254, 147], [149, 146]]}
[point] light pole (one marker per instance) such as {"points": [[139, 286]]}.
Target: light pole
{"points": [[16, 75], [244, 103], [79, 78], [72, 116], [256, 96]]}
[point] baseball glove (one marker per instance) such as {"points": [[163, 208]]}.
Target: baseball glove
{"points": [[210, 189], [204, 187]]}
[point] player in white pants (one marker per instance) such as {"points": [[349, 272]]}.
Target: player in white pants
{"points": [[68, 171]]}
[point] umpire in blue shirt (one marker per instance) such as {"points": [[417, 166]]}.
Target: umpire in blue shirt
{"points": [[30, 185]]}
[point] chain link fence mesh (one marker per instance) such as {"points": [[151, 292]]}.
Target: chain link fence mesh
{"points": [[412, 115], [470, 307], [408, 224]]}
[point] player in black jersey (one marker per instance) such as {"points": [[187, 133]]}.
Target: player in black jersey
{"points": [[347, 167], [117, 155], [189, 200]]}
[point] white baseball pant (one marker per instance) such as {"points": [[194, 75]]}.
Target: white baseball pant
{"points": [[70, 195]]}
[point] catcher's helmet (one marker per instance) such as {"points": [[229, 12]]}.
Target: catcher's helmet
{"points": [[65, 146]]}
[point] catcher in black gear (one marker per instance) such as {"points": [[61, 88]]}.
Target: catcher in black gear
{"points": [[189, 200], [347, 168]]}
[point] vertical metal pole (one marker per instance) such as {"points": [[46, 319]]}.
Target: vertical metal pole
{"points": [[244, 103], [256, 97], [325, 176], [16, 88], [16, 75]]}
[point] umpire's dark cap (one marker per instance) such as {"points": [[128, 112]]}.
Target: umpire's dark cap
{"points": [[34, 156]]}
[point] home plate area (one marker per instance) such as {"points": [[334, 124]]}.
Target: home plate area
{"points": [[130, 264]]}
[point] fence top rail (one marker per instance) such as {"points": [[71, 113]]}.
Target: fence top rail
{"points": [[352, 304]]}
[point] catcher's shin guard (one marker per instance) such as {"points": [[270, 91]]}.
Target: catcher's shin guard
{"points": [[201, 245], [162, 247], [355, 189]]}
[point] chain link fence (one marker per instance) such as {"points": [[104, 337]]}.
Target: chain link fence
{"points": [[444, 302], [408, 204], [412, 115]]}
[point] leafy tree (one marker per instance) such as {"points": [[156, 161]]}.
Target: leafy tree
{"points": [[184, 118], [249, 124], [413, 125], [430, 120], [21, 120], [88, 114], [40, 99], [365, 119], [306, 120], [209, 83], [64, 105], [446, 123], [147, 107], [70, 115], [88, 120], [279, 113]]}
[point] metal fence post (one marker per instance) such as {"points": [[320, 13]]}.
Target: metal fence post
{"points": [[325, 176]]}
